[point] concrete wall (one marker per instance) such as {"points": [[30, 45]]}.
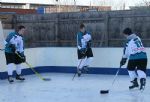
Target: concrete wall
{"points": [[53, 56]]}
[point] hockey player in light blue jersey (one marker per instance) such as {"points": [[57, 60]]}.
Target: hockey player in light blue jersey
{"points": [[135, 52], [84, 50], [14, 44]]}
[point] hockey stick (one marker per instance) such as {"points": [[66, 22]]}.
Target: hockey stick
{"points": [[36, 73], [107, 91], [1, 49], [39, 75], [77, 69]]}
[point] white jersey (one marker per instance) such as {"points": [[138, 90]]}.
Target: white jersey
{"points": [[82, 40], [17, 40], [134, 48]]}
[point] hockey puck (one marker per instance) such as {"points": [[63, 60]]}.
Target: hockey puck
{"points": [[104, 91]]}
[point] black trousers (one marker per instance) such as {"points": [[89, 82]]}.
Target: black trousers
{"points": [[12, 58], [89, 53], [138, 64]]}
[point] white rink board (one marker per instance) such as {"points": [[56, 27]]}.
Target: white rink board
{"points": [[61, 56]]}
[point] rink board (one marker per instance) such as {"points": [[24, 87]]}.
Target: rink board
{"points": [[64, 60]]}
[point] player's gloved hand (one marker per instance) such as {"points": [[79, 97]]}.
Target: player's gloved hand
{"points": [[13, 48], [23, 57], [123, 61], [83, 50]]}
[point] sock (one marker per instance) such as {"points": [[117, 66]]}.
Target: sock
{"points": [[132, 75], [81, 63], [10, 69], [18, 69], [88, 61], [141, 74]]}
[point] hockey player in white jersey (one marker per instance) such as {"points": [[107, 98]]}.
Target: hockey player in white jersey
{"points": [[84, 50], [14, 44], [135, 52]]}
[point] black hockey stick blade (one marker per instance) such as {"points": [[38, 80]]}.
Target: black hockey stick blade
{"points": [[46, 79], [104, 91], [1, 49]]}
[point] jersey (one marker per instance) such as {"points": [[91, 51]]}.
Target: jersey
{"points": [[83, 40], [15, 39], [134, 48]]}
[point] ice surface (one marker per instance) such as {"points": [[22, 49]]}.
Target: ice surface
{"points": [[63, 89]]}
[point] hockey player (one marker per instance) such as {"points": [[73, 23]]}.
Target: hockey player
{"points": [[134, 51], [84, 50], [14, 46]]}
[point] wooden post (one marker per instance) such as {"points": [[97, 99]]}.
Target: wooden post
{"points": [[107, 29], [56, 29], [14, 21]]}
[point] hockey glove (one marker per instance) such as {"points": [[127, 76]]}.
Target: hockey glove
{"points": [[23, 57], [83, 50], [123, 61]]}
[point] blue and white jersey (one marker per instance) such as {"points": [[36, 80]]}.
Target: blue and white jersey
{"points": [[15, 39], [83, 40], [134, 48]]}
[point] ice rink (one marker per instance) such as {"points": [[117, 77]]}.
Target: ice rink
{"points": [[62, 89]]}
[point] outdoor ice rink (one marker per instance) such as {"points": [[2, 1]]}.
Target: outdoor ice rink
{"points": [[62, 89]]}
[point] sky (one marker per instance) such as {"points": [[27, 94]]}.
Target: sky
{"points": [[116, 4]]}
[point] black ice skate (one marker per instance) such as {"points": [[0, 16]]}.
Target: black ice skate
{"points": [[134, 84], [10, 79], [79, 72], [85, 69], [19, 77], [143, 83]]}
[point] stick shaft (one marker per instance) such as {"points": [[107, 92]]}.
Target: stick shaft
{"points": [[77, 69], [39, 75], [36, 73], [116, 75]]}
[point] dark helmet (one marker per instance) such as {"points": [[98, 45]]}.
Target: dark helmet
{"points": [[127, 31], [82, 26]]}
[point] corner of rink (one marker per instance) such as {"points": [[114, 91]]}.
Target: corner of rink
{"points": [[64, 60]]}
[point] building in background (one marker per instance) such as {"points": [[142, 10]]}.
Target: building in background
{"points": [[50, 6], [9, 8]]}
